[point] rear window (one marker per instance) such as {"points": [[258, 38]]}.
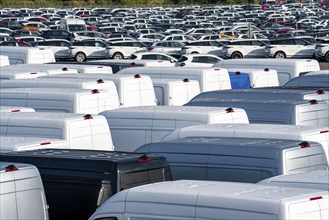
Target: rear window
{"points": [[137, 174]]}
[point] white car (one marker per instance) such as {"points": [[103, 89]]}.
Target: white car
{"points": [[178, 37], [322, 51], [204, 46], [60, 47], [290, 48], [151, 37], [198, 60], [152, 56], [172, 48], [123, 49], [244, 48], [88, 35], [88, 49]]}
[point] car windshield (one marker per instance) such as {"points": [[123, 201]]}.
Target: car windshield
{"points": [[77, 27]]}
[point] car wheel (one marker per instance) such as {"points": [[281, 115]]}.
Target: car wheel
{"points": [[80, 57], [279, 55], [117, 56], [326, 57], [236, 55], [194, 52]]}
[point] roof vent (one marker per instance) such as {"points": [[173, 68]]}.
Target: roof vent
{"points": [[144, 158], [266, 69], [94, 91], [313, 102], [11, 168], [237, 73], [229, 110], [87, 116], [65, 69], [137, 76], [304, 144], [100, 81], [186, 80]]}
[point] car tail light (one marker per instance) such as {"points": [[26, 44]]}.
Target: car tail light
{"points": [[186, 80], [15, 110], [229, 110], [315, 198], [45, 143], [313, 102], [325, 131], [94, 91], [137, 76], [150, 48], [87, 117], [99, 81], [320, 92]]}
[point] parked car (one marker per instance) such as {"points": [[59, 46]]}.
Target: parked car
{"points": [[244, 48], [198, 60], [290, 48], [123, 49], [57, 34], [172, 48], [88, 35], [88, 49], [204, 46], [60, 47], [149, 55]]}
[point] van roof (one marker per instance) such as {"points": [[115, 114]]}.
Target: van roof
{"points": [[4, 109], [266, 93], [232, 146], [320, 176], [25, 171], [46, 117], [58, 92], [228, 195], [166, 112], [263, 61], [85, 155], [11, 143]]}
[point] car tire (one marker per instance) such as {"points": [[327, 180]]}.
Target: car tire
{"points": [[280, 55], [194, 52], [326, 57], [117, 56], [80, 57], [236, 55]]}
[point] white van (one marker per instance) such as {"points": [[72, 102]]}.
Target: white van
{"points": [[257, 77], [209, 78], [47, 68], [80, 131], [317, 179], [273, 131], [22, 195], [88, 101], [87, 69], [19, 143], [77, 83], [309, 81], [173, 92], [73, 24], [134, 63], [4, 61], [294, 112], [266, 94], [210, 200], [147, 124], [19, 55], [237, 159], [15, 109], [7, 75], [286, 68], [133, 90]]}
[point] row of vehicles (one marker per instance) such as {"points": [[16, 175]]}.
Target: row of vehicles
{"points": [[185, 134], [213, 147], [225, 31]]}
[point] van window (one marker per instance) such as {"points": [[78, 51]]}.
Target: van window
{"points": [[131, 177]]}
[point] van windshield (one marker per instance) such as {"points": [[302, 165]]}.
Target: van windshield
{"points": [[136, 174]]}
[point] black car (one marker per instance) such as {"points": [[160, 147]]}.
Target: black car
{"points": [[13, 25], [57, 34]]}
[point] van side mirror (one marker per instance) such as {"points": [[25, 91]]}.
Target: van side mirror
{"points": [[105, 192]]}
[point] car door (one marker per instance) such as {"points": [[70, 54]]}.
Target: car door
{"points": [[99, 49], [136, 47], [256, 49], [305, 49]]}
